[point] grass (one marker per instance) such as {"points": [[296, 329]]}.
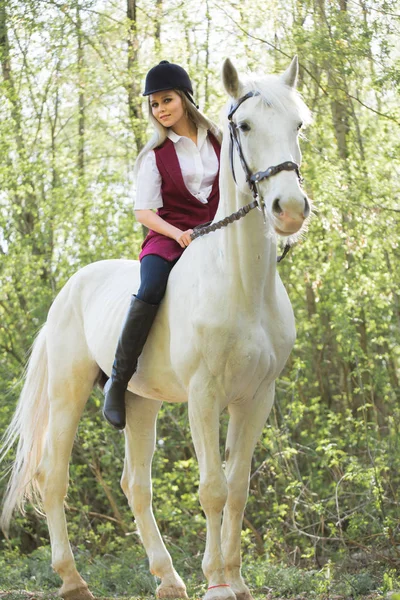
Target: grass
{"points": [[126, 576]]}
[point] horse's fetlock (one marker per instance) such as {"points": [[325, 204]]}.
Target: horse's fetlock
{"points": [[160, 565], [233, 570], [213, 569], [64, 567]]}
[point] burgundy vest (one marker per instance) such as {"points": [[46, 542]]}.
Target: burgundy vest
{"points": [[180, 207]]}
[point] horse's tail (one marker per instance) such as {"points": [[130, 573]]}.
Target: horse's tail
{"points": [[29, 424]]}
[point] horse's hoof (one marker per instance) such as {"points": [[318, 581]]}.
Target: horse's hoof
{"points": [[80, 593], [220, 593], [243, 596], [171, 591]]}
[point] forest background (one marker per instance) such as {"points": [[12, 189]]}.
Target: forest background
{"points": [[323, 512]]}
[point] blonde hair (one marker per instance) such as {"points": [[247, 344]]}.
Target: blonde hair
{"points": [[161, 132]]}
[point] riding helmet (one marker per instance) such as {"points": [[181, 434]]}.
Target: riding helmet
{"points": [[167, 76]]}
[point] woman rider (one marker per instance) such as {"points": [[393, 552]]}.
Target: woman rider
{"points": [[177, 174]]}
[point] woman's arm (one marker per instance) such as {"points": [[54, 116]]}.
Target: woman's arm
{"points": [[153, 221]]}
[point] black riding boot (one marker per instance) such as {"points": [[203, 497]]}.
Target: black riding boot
{"points": [[131, 341]]}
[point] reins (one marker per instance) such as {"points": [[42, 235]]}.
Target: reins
{"points": [[252, 180], [201, 230]]}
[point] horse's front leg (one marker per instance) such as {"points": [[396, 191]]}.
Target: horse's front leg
{"points": [[245, 426], [204, 413], [140, 434]]}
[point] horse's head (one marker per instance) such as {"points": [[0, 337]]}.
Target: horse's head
{"points": [[265, 116]]}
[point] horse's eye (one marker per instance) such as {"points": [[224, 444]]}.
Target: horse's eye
{"points": [[244, 126], [299, 126]]}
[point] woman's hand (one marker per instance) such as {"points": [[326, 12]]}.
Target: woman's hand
{"points": [[183, 238], [156, 223]]}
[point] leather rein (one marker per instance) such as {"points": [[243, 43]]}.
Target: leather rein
{"points": [[252, 179]]}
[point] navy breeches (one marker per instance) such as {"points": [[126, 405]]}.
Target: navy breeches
{"points": [[154, 273]]}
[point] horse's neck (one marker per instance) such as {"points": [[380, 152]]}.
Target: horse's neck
{"points": [[248, 250]]}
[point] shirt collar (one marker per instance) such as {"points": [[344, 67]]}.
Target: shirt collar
{"points": [[201, 136], [174, 137]]}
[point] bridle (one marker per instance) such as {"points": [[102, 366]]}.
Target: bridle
{"points": [[252, 179]]}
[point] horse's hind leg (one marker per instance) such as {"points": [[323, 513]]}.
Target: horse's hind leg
{"points": [[69, 389], [140, 434]]}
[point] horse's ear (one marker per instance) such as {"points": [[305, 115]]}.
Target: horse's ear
{"points": [[230, 79], [289, 77]]}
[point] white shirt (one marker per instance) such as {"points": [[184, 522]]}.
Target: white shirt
{"points": [[198, 163]]}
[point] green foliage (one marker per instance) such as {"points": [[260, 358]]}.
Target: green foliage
{"points": [[127, 575], [324, 488]]}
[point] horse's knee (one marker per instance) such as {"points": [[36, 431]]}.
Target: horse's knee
{"points": [[138, 493], [213, 492], [237, 497]]}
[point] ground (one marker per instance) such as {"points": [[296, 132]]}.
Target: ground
{"points": [[23, 595]]}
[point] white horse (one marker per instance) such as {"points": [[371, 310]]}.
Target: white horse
{"points": [[221, 337]]}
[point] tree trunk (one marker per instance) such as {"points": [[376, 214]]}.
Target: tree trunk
{"points": [[133, 86], [81, 98], [157, 29], [26, 219], [134, 92], [207, 63], [338, 100]]}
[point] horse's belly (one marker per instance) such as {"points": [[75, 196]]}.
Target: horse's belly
{"points": [[155, 376], [153, 380]]}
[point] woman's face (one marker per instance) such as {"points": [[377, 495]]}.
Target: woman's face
{"points": [[167, 108]]}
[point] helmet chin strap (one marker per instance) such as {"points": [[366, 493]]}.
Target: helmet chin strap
{"points": [[189, 97]]}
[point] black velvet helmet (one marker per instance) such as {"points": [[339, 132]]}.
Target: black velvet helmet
{"points": [[167, 76]]}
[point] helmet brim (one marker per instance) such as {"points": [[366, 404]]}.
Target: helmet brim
{"points": [[164, 89]]}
